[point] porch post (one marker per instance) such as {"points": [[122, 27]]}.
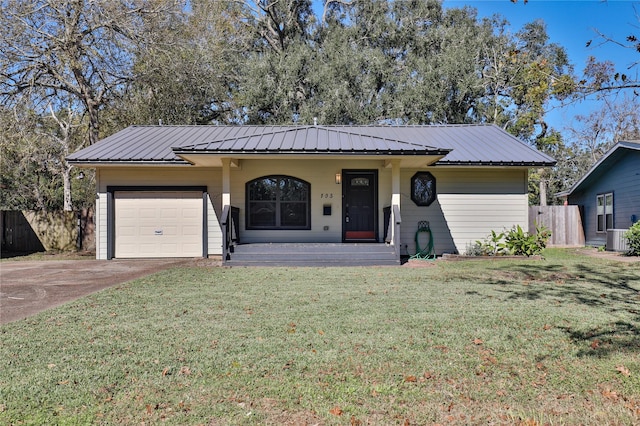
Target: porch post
{"points": [[395, 206], [395, 182], [226, 220], [226, 182]]}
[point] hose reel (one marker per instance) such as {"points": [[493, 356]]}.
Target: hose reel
{"points": [[426, 253]]}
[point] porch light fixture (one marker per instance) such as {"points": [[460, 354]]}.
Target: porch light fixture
{"points": [[338, 179]]}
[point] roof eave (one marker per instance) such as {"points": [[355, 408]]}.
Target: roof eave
{"points": [[98, 163], [496, 163], [180, 152]]}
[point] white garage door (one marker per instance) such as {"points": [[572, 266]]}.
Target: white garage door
{"points": [[158, 224]]}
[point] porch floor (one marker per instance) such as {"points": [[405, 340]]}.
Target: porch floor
{"points": [[313, 254]]}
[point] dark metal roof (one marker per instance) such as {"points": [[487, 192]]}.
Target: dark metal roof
{"points": [[462, 144], [607, 161], [471, 144], [311, 139]]}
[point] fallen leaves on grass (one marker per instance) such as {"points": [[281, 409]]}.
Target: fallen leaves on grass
{"points": [[610, 394], [528, 422], [336, 411], [623, 370], [634, 406]]}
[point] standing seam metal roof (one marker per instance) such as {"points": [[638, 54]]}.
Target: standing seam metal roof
{"points": [[462, 144], [309, 139]]}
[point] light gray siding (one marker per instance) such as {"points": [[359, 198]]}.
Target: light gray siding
{"points": [[470, 204], [470, 201]]}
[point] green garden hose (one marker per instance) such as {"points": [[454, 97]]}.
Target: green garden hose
{"points": [[428, 252]]}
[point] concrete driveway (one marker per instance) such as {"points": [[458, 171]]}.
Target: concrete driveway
{"points": [[29, 287]]}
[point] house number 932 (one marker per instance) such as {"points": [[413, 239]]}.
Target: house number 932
{"points": [[326, 195]]}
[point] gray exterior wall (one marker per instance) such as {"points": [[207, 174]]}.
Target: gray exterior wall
{"points": [[623, 180], [471, 202]]}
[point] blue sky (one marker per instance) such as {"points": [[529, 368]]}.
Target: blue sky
{"points": [[571, 24]]}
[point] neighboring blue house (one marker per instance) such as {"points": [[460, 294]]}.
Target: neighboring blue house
{"points": [[609, 193]]}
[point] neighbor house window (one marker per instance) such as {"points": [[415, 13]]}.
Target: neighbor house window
{"points": [[604, 212], [278, 202]]}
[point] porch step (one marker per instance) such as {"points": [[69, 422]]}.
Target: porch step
{"points": [[314, 254]]}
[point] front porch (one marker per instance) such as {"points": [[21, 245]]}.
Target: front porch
{"points": [[313, 254], [235, 253]]}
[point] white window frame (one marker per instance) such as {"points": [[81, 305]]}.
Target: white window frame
{"points": [[604, 212]]}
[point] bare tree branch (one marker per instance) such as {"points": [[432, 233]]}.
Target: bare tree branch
{"points": [[78, 47], [328, 3]]}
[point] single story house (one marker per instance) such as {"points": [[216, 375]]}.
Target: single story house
{"points": [[608, 195], [185, 191]]}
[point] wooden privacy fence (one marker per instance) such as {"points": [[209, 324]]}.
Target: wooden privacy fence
{"points": [[564, 222], [31, 231]]}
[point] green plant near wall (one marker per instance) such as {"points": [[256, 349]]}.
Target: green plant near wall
{"points": [[515, 242], [633, 239], [521, 243], [492, 245]]}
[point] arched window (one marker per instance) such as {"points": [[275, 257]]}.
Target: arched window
{"points": [[278, 202]]}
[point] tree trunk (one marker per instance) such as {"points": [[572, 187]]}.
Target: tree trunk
{"points": [[543, 188], [66, 178], [94, 125]]}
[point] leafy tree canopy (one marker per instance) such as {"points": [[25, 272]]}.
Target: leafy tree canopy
{"points": [[77, 70]]}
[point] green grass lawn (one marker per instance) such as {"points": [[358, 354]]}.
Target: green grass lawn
{"points": [[554, 341]]}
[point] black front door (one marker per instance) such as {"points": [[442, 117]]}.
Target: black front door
{"points": [[360, 205]]}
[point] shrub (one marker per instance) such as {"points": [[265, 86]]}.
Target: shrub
{"points": [[475, 249], [522, 243], [492, 245], [515, 241], [633, 239]]}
